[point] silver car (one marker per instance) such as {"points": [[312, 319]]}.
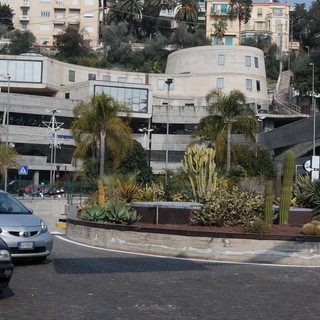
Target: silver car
{"points": [[26, 234]]}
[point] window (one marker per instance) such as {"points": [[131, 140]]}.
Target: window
{"points": [[89, 2], [122, 79], [224, 8], [215, 41], [72, 75], [248, 84], [248, 61], [160, 85], [258, 85], [45, 14], [92, 76], [45, 1], [214, 8], [220, 83], [106, 78], [67, 95], [137, 80], [228, 41], [88, 29], [24, 26], [44, 41], [256, 62], [24, 12], [259, 13], [221, 59], [59, 14], [277, 11]]}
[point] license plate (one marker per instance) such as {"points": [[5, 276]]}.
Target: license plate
{"points": [[25, 245]]}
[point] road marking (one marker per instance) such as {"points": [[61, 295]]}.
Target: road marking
{"points": [[185, 259]]}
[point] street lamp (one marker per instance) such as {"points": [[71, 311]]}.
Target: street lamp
{"points": [[147, 141], [168, 82], [6, 113], [314, 112], [5, 124]]}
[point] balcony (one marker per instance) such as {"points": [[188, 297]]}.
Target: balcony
{"points": [[25, 4], [218, 13], [24, 18], [277, 16], [59, 21]]}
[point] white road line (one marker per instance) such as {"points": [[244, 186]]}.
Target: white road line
{"points": [[186, 259]]}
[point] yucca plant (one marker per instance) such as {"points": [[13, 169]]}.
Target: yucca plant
{"points": [[117, 211], [93, 212]]}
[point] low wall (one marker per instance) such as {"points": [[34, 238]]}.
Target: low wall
{"points": [[293, 250]]}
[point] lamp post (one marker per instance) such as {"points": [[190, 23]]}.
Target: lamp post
{"points": [[147, 141], [314, 112], [168, 82], [5, 124]]}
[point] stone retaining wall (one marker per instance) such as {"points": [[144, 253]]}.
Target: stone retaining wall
{"points": [[300, 250]]}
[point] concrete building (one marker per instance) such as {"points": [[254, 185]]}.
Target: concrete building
{"points": [[47, 18], [39, 85], [267, 18]]}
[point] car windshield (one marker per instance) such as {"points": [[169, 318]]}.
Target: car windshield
{"points": [[10, 205]]}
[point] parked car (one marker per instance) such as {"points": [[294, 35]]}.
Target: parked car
{"points": [[25, 233], [6, 266]]}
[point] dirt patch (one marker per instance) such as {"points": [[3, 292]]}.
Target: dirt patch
{"points": [[276, 229]]}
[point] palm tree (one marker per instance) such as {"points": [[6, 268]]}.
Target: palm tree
{"points": [[188, 11], [228, 113], [220, 30], [98, 125]]}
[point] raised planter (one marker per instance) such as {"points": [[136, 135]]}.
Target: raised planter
{"points": [[240, 247]]}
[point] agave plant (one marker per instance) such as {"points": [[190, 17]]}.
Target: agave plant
{"points": [[117, 211], [93, 212]]}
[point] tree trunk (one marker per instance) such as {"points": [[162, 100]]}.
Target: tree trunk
{"points": [[229, 146], [239, 31], [102, 152]]}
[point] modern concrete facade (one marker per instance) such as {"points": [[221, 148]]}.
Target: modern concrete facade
{"points": [[47, 18], [267, 18], [39, 84]]}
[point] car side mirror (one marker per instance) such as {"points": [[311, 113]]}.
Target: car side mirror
{"points": [[31, 210], [0, 230]]}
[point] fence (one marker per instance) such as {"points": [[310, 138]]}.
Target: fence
{"points": [[74, 192]]}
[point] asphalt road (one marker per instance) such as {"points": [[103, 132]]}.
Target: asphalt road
{"points": [[83, 283]]}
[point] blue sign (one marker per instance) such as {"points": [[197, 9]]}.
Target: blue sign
{"points": [[23, 170]]}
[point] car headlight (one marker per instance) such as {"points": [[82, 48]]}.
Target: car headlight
{"points": [[44, 227], [5, 255]]}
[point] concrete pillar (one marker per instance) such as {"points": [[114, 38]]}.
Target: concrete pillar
{"points": [[36, 178]]}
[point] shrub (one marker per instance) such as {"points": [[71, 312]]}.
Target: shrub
{"points": [[118, 211], [93, 212], [258, 226], [307, 193], [230, 208]]}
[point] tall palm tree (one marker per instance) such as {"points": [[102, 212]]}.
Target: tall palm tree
{"points": [[98, 125], [228, 113], [188, 11], [220, 29]]}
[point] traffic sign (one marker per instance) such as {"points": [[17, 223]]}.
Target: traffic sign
{"points": [[23, 170]]}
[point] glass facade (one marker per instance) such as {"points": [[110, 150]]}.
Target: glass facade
{"points": [[135, 98]]}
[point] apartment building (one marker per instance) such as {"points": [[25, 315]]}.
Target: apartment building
{"points": [[47, 18], [267, 18]]}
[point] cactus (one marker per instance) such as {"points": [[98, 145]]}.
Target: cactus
{"points": [[286, 190], [101, 195], [200, 167], [278, 180], [268, 209], [308, 229]]}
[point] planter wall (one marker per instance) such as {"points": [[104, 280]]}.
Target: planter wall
{"points": [[293, 250]]}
